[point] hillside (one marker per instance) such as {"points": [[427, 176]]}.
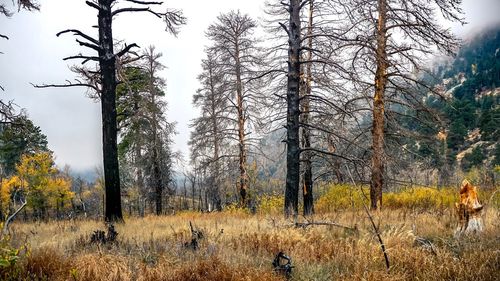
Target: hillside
{"points": [[470, 86]]}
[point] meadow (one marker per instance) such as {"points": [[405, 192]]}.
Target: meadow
{"points": [[238, 245]]}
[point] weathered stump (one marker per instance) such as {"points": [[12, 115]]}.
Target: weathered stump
{"points": [[469, 210]]}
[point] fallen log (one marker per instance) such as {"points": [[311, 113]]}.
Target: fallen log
{"points": [[306, 224]]}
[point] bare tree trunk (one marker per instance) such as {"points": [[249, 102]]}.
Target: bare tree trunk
{"points": [[140, 181], [158, 185], [113, 207], [293, 100], [215, 192], [377, 179], [307, 190], [241, 130]]}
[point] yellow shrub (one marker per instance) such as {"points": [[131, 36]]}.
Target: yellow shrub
{"points": [[341, 197], [420, 198], [235, 208], [271, 204]]}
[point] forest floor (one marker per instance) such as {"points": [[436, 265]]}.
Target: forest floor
{"points": [[240, 246]]}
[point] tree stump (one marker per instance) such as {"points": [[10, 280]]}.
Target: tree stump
{"points": [[469, 210]]}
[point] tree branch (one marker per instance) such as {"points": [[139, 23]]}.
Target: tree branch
{"points": [[70, 84], [285, 28], [93, 5], [130, 9], [88, 45], [126, 49], [144, 2], [79, 33], [11, 217], [85, 58]]}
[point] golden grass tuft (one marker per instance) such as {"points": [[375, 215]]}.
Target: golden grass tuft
{"points": [[45, 263]]}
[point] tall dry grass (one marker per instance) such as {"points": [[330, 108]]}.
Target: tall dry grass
{"points": [[239, 246]]}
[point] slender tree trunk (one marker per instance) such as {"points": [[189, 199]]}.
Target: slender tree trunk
{"points": [[292, 123], [241, 130], [307, 190], [140, 179], [158, 184], [157, 143], [193, 191], [377, 179], [215, 192], [113, 209]]}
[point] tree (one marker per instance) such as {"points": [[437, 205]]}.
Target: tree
{"points": [[38, 183], [391, 37], [208, 140], [234, 48], [306, 91], [293, 30], [20, 137], [107, 59], [146, 133]]}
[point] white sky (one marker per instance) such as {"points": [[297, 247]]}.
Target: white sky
{"points": [[70, 120]]}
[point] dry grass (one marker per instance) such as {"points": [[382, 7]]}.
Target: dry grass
{"points": [[238, 246]]}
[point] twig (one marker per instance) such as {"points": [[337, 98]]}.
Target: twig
{"points": [[382, 245]]}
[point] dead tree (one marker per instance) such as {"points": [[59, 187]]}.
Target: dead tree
{"points": [[293, 107], [106, 58], [390, 37], [208, 141], [234, 48], [307, 190]]}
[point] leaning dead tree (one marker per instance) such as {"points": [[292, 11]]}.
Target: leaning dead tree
{"points": [[106, 58]]}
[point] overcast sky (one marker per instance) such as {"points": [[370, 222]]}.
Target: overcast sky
{"points": [[70, 120]]}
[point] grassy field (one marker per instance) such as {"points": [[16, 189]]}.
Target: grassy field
{"points": [[240, 246]]}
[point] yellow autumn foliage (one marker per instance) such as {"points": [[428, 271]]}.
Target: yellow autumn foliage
{"points": [[38, 181], [7, 187], [271, 204]]}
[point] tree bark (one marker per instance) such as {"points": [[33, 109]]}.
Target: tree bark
{"points": [[113, 208], [307, 190], [377, 177], [241, 130], [293, 103]]}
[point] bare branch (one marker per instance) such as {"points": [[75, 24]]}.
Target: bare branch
{"points": [[70, 84], [79, 33], [144, 2], [285, 28], [130, 9], [85, 58], [5, 229], [126, 49], [88, 45], [93, 5]]}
